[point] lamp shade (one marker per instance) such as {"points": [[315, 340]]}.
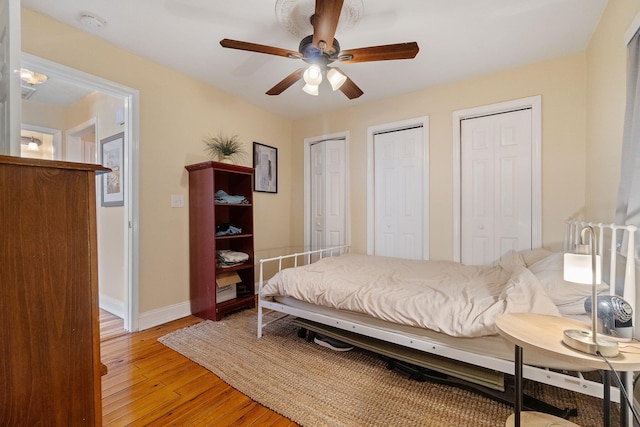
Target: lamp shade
{"points": [[313, 75], [311, 89], [336, 78], [578, 268]]}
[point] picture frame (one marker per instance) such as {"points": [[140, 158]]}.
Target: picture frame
{"points": [[112, 156], [265, 164]]}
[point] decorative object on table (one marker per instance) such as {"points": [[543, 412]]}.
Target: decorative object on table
{"points": [[265, 163], [615, 316], [584, 266], [112, 156], [227, 149]]}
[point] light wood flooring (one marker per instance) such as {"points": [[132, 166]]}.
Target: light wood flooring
{"points": [[148, 384]]}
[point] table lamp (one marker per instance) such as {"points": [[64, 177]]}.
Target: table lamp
{"points": [[584, 267]]}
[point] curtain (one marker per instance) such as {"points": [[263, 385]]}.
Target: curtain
{"points": [[628, 205]]}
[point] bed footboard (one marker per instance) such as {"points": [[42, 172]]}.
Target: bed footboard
{"points": [[291, 260]]}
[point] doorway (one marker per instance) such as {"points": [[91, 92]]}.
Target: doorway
{"points": [[398, 189], [497, 180], [80, 142], [84, 140]]}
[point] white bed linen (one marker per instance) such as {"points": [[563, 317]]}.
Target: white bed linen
{"points": [[443, 296]]}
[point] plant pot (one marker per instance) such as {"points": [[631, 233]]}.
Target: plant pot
{"points": [[226, 159]]}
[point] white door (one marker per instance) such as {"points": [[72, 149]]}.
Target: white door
{"points": [[399, 193], [328, 194], [80, 142], [10, 98], [496, 186]]}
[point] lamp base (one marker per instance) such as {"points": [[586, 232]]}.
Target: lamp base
{"points": [[583, 341]]}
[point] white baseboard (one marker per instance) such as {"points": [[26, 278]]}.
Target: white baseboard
{"points": [[111, 305], [156, 317]]}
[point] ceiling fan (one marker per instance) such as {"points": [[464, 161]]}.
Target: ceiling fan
{"points": [[321, 49]]}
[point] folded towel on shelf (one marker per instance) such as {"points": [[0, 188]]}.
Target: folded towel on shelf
{"points": [[222, 197], [228, 258], [227, 230]]}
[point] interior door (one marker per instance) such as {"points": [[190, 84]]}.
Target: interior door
{"points": [[496, 189], [328, 194], [399, 192]]}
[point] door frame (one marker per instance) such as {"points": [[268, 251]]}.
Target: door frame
{"points": [[56, 135], [131, 99], [307, 184], [535, 104], [390, 127]]}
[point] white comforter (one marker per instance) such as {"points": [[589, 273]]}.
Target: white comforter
{"points": [[440, 295]]}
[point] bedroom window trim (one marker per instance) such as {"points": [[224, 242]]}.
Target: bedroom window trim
{"points": [[632, 30], [628, 201]]}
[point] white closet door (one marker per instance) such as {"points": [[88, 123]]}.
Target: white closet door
{"points": [[328, 194], [496, 190], [399, 194]]}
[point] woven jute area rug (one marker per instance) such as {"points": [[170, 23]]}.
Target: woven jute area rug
{"points": [[315, 386]]}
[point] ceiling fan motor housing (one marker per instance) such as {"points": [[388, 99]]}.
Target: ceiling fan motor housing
{"points": [[312, 54]]}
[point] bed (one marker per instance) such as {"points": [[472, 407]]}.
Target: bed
{"points": [[383, 299]]}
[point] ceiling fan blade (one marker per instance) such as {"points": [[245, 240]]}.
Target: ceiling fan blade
{"points": [[260, 48], [380, 53], [325, 22], [286, 82], [350, 89]]}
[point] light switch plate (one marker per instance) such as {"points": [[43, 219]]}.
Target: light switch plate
{"points": [[177, 201]]}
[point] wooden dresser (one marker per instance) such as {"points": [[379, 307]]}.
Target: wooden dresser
{"points": [[49, 333]]}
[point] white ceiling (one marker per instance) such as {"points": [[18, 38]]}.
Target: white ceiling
{"points": [[458, 39]]}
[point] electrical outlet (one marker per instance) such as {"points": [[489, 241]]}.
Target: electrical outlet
{"points": [[177, 201]]}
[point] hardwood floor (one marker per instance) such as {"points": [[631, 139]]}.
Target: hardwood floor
{"points": [[148, 384], [110, 325]]}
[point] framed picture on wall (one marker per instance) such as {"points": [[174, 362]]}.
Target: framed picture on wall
{"points": [[265, 163], [112, 155]]}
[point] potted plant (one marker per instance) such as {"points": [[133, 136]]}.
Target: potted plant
{"points": [[225, 148]]}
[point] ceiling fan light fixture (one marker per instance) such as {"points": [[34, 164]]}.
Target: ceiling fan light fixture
{"points": [[336, 78], [313, 75], [32, 77], [311, 89]]}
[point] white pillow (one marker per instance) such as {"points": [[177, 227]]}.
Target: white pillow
{"points": [[569, 297], [513, 259]]}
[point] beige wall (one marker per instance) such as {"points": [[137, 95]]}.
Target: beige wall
{"points": [[582, 102], [176, 112], [583, 98], [45, 115], [561, 83], [607, 73]]}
